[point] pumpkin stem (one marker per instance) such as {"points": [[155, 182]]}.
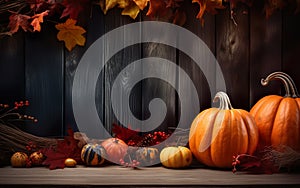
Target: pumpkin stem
{"points": [[289, 84], [224, 101]]}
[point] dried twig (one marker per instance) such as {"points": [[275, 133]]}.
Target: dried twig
{"points": [[284, 157]]}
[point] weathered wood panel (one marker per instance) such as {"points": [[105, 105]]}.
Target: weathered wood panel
{"points": [[92, 19], [206, 33], [113, 68], [265, 51], [44, 66], [12, 74], [232, 52], [291, 46]]}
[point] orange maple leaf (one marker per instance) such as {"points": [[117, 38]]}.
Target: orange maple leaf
{"points": [[209, 6], [71, 34], [37, 20], [157, 8]]}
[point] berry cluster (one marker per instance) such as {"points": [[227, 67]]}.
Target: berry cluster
{"points": [[131, 164], [7, 114], [21, 104], [130, 160], [31, 146], [155, 138]]}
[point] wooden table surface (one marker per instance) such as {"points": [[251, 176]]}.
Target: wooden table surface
{"points": [[117, 176]]}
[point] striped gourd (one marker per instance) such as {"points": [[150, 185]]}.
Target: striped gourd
{"points": [[93, 154], [147, 156]]}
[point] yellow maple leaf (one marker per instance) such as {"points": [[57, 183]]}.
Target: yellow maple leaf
{"points": [[131, 10], [109, 4], [141, 3], [70, 33]]}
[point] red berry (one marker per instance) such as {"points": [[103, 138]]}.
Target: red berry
{"points": [[26, 103]]}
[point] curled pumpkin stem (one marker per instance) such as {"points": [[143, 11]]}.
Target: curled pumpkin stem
{"points": [[289, 84], [224, 101]]}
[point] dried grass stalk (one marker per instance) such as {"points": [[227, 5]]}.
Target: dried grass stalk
{"points": [[13, 139], [283, 157]]}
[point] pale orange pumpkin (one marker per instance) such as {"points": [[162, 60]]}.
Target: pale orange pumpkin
{"points": [[277, 117], [217, 134], [176, 157], [115, 149]]}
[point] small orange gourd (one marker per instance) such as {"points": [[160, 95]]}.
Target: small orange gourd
{"points": [[277, 117], [19, 159], [115, 149], [217, 134]]}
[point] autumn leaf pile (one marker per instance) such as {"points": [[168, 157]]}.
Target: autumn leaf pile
{"points": [[66, 148], [29, 15]]}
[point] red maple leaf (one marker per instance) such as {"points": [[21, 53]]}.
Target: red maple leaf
{"points": [[73, 8], [125, 134], [36, 4], [253, 164], [18, 20], [66, 148]]}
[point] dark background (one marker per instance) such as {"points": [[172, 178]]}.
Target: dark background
{"points": [[37, 67]]}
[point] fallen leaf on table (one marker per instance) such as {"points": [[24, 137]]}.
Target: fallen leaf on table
{"points": [[253, 164], [66, 148]]}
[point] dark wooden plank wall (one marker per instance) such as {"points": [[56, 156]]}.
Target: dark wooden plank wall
{"points": [[37, 67]]}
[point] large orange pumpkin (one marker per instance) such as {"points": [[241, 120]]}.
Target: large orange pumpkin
{"points": [[277, 117], [217, 134]]}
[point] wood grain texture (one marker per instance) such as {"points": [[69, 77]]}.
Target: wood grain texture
{"points": [[265, 52], [149, 176], [12, 69], [207, 34], [93, 20], [157, 88], [291, 45], [44, 72], [232, 52], [114, 66]]}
